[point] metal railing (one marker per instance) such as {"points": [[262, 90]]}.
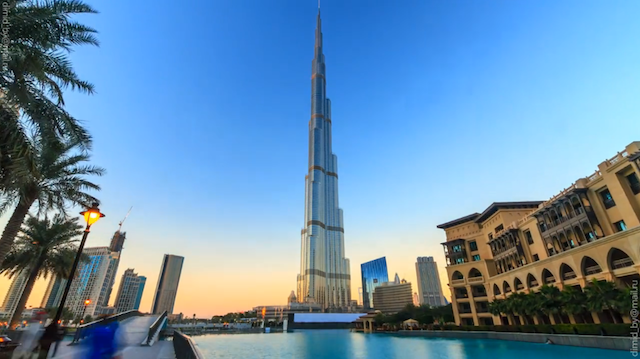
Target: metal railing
{"points": [[622, 263], [184, 347], [84, 329], [592, 270], [155, 328]]}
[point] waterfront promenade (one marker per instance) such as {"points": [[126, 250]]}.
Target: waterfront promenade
{"points": [[132, 332]]}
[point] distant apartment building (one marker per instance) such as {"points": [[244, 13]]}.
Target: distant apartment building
{"points": [[429, 288], [392, 297], [168, 280], [53, 293], [92, 281], [16, 288], [374, 273], [588, 231], [130, 291]]}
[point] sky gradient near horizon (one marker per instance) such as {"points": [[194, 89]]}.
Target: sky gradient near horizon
{"points": [[439, 108]]}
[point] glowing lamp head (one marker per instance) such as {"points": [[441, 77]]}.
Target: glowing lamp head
{"points": [[87, 302], [92, 215]]}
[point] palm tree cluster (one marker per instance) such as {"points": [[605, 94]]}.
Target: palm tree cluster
{"points": [[44, 150], [424, 314], [597, 297]]}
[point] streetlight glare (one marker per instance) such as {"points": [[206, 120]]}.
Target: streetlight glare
{"points": [[92, 215]]}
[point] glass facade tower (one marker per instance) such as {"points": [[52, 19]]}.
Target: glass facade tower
{"points": [[324, 276], [374, 273]]}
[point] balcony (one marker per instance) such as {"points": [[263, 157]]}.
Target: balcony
{"points": [[622, 263], [476, 279], [592, 270], [457, 281], [478, 294], [571, 219], [570, 275]]}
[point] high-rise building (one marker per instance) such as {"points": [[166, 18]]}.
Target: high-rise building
{"points": [[116, 246], [117, 241], [95, 278], [142, 282], [589, 231], [374, 273], [392, 297], [324, 276], [168, 281], [53, 294], [130, 291], [429, 282], [92, 281], [18, 284]]}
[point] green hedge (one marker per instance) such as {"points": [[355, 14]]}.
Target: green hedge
{"points": [[618, 330]]}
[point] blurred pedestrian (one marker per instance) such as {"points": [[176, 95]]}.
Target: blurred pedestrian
{"points": [[29, 345], [103, 340]]}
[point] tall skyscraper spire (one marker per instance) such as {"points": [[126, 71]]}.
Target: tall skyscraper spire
{"points": [[324, 271]]}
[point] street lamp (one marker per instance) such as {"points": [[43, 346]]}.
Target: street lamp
{"points": [[86, 304], [91, 216]]}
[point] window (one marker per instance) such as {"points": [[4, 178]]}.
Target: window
{"points": [[527, 235], [607, 200], [457, 248], [634, 183], [536, 258], [499, 228], [490, 236], [473, 245], [459, 260], [476, 257], [619, 226]]}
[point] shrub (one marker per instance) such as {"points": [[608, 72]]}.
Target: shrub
{"points": [[616, 330], [564, 329], [528, 329], [544, 328], [588, 329]]}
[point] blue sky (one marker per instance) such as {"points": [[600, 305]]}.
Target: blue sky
{"points": [[439, 108]]}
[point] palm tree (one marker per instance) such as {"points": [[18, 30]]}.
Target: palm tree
{"points": [[58, 181], [574, 302], [38, 69], [550, 302], [517, 305], [602, 296], [43, 247], [623, 303], [532, 306], [497, 307], [32, 80]]}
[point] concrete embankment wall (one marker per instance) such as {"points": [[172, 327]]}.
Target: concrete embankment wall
{"points": [[589, 341]]}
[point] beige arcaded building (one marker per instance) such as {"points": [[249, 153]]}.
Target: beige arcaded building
{"points": [[589, 230]]}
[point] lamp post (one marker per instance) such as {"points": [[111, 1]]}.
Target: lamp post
{"points": [[91, 216], [86, 304]]}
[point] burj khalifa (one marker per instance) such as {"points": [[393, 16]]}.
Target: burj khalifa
{"points": [[324, 271]]}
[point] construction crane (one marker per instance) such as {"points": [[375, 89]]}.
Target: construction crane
{"points": [[124, 219]]}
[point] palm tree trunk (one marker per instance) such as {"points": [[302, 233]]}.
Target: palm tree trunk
{"points": [[33, 275], [13, 227]]}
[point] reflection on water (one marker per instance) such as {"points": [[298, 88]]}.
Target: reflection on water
{"points": [[341, 344]]}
